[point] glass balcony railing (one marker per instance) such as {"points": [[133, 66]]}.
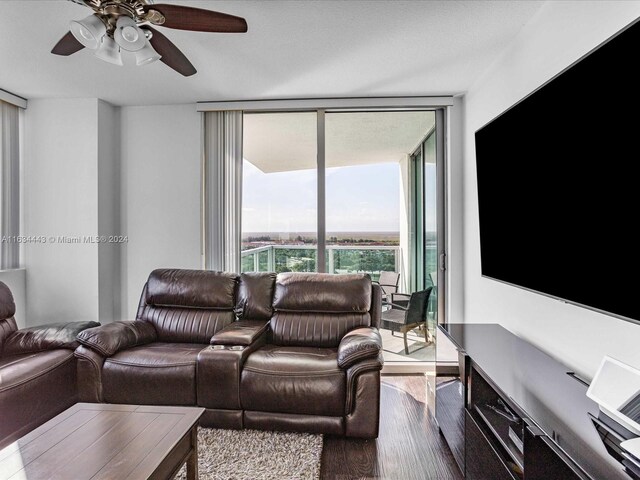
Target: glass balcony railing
{"points": [[340, 259]]}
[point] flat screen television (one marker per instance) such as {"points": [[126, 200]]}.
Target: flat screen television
{"points": [[558, 188]]}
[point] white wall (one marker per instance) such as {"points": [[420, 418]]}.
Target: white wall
{"points": [[559, 34], [60, 199], [160, 194], [93, 169], [71, 189]]}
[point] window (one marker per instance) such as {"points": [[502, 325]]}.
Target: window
{"points": [[279, 193], [368, 202]]}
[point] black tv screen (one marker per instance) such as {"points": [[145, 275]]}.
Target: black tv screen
{"points": [[558, 188]]}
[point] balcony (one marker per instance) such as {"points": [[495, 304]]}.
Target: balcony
{"points": [[340, 259]]}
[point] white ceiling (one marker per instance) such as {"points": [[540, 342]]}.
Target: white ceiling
{"points": [[283, 142], [294, 49]]}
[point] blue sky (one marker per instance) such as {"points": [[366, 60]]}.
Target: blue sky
{"points": [[363, 198]]}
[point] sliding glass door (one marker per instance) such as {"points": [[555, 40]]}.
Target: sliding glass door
{"points": [[366, 191]]}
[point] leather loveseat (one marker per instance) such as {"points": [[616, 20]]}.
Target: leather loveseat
{"points": [[37, 370], [296, 352]]}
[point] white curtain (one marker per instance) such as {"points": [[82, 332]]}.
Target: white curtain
{"points": [[9, 185], [222, 190]]}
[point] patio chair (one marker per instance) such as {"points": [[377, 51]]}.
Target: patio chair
{"points": [[388, 282], [407, 312]]}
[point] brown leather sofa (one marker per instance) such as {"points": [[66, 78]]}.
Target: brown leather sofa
{"points": [[37, 370], [297, 352]]}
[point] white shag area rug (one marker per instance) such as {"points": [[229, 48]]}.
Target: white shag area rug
{"points": [[256, 455]]}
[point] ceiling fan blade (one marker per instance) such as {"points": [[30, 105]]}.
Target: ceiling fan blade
{"points": [[171, 55], [67, 45], [198, 19]]}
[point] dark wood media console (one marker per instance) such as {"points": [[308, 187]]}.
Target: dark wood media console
{"points": [[515, 413]]}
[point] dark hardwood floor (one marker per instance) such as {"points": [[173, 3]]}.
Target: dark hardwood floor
{"points": [[409, 446]]}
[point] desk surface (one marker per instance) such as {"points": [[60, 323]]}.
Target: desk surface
{"points": [[542, 388], [99, 441]]}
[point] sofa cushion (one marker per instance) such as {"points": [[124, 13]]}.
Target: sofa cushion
{"points": [[153, 374], [46, 337], [7, 305], [7, 327], [301, 380], [7, 311], [255, 296], [191, 288], [321, 292], [188, 306], [323, 330], [185, 325]]}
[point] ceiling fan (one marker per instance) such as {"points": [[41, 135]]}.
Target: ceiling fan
{"points": [[118, 25]]}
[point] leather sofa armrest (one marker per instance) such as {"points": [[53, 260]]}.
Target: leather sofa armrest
{"points": [[358, 345], [242, 332], [89, 375], [45, 337], [113, 337]]}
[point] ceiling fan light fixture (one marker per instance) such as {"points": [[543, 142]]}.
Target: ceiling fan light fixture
{"points": [[109, 51], [128, 35], [88, 31], [118, 26], [147, 55]]}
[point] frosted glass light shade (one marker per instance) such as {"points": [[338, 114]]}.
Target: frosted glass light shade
{"points": [[88, 31], [109, 51], [128, 35], [147, 55]]}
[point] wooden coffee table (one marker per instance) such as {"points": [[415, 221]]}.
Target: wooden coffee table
{"points": [[107, 442]]}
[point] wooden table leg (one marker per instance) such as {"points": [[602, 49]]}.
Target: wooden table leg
{"points": [[192, 460]]}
